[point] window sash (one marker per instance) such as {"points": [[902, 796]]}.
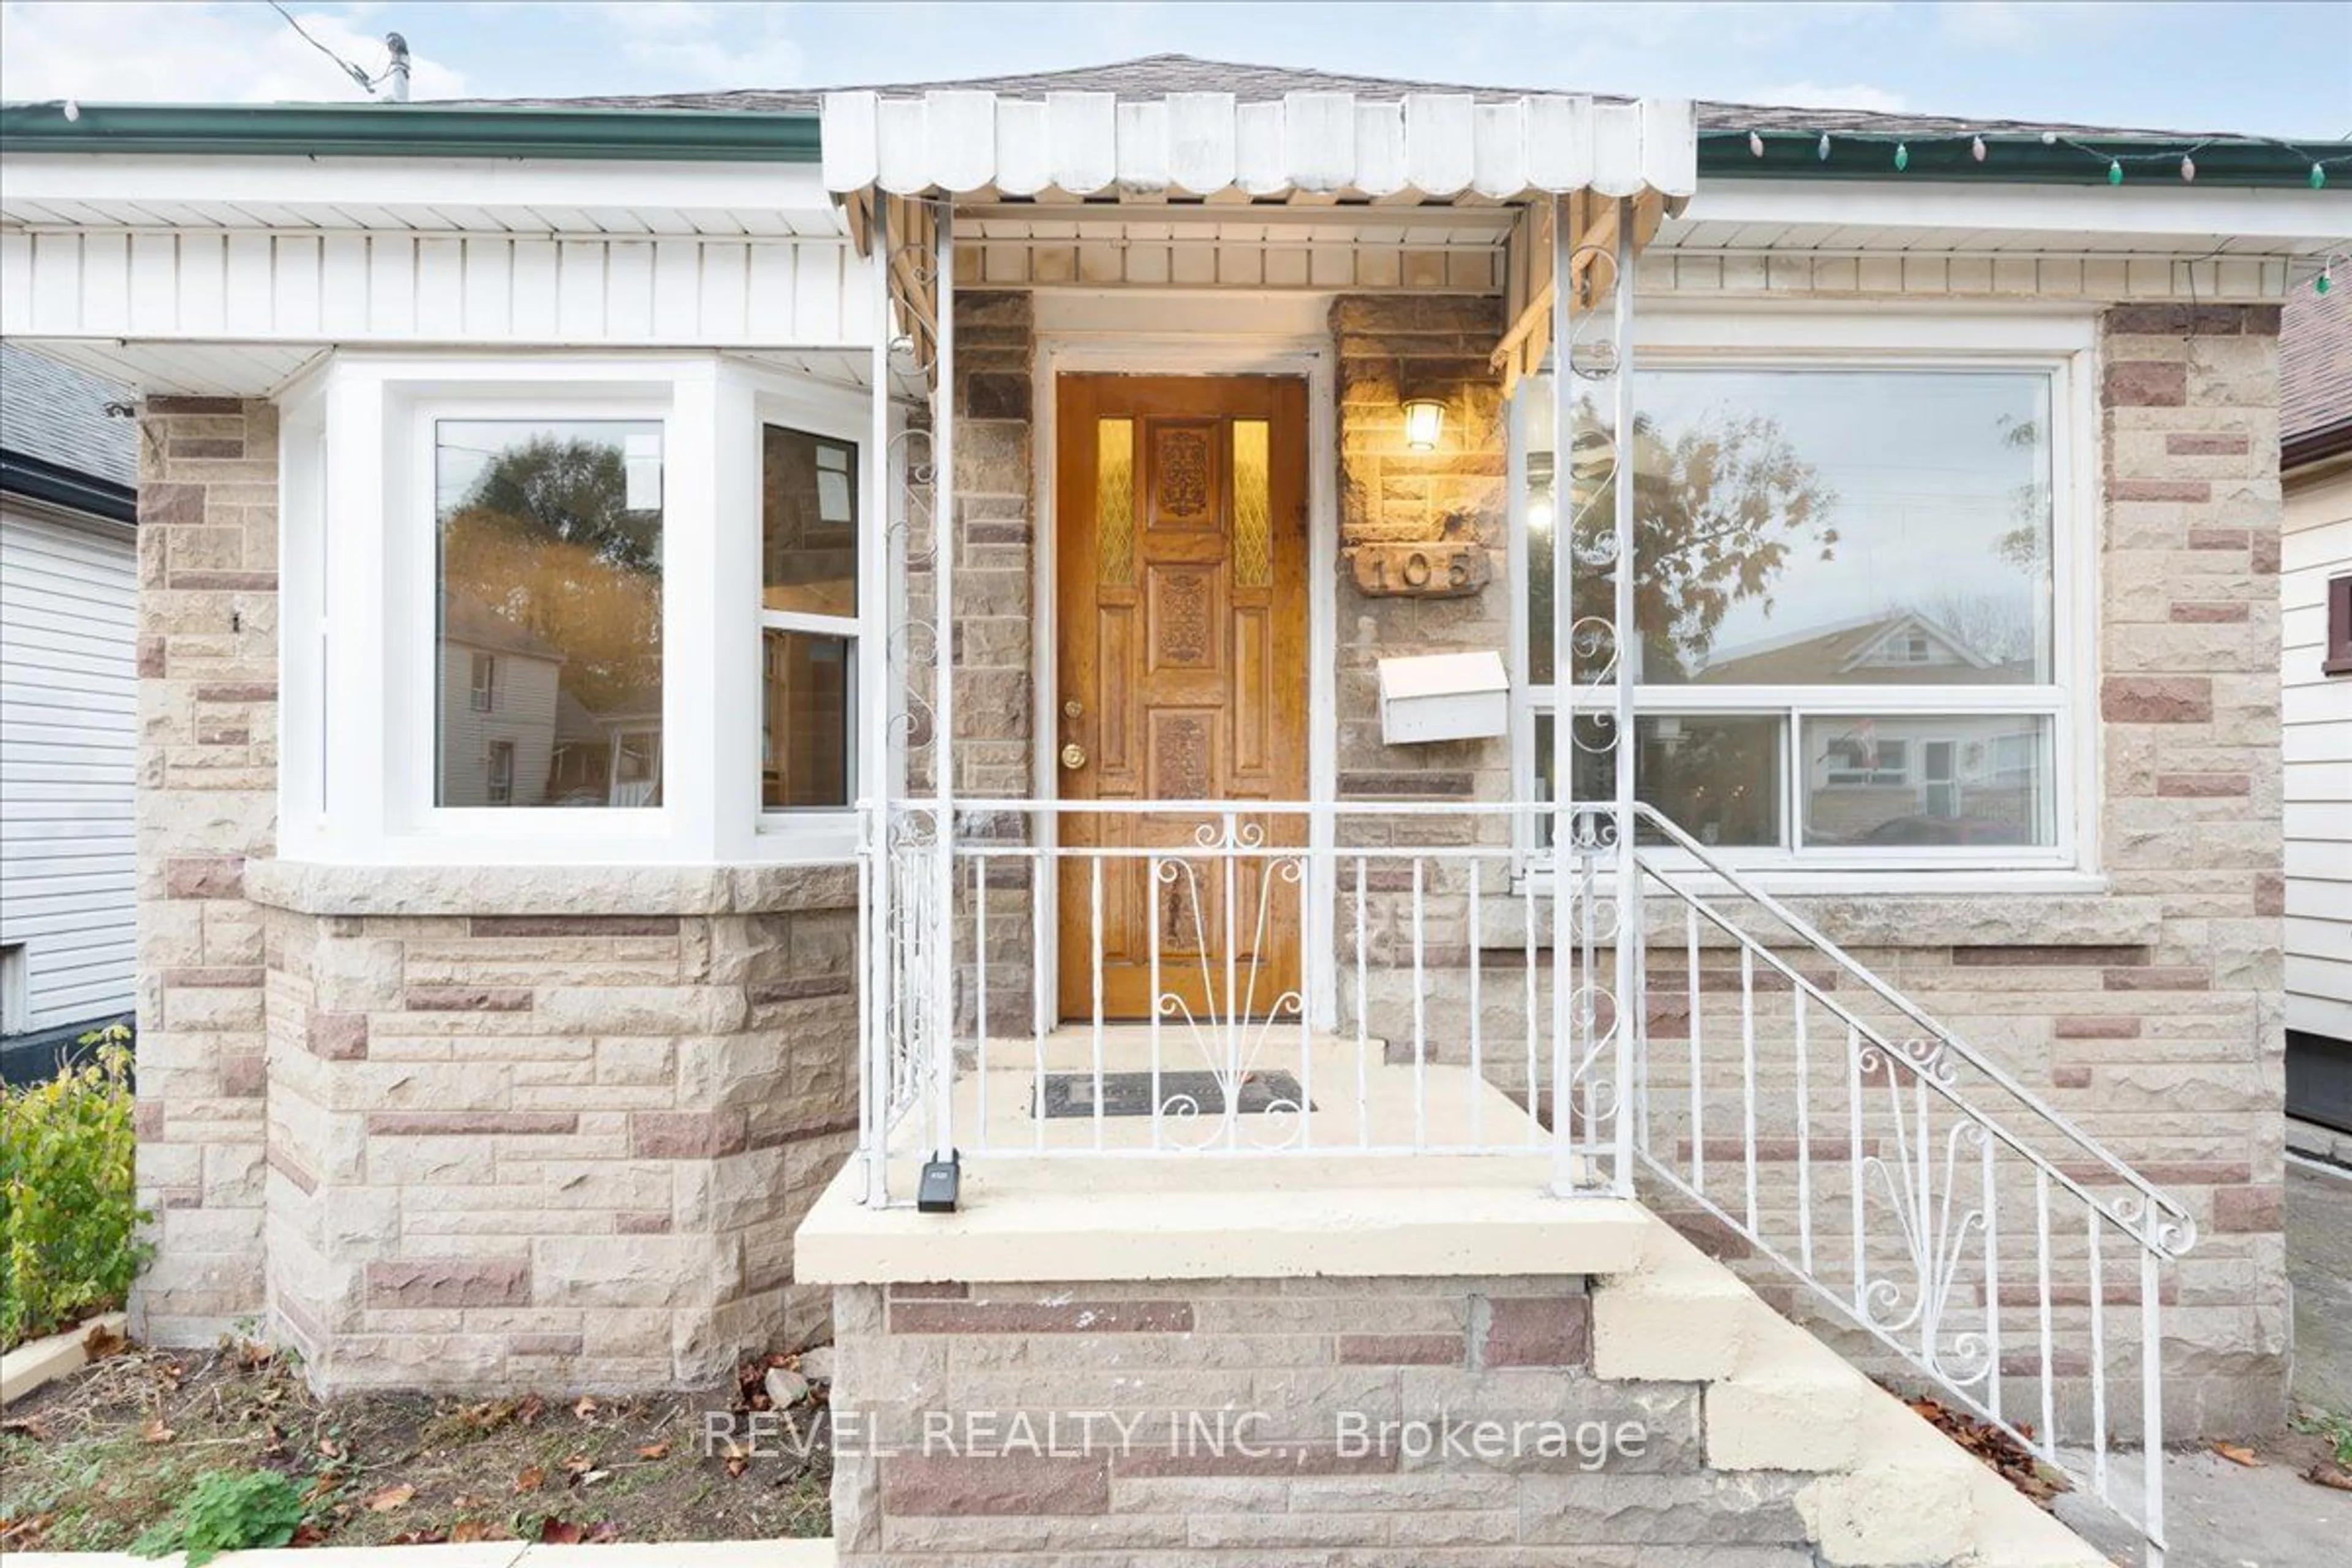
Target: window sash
{"points": [[1690, 341]]}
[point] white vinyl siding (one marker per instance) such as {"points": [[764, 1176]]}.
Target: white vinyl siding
{"points": [[68, 732], [356, 288], [523, 714], [2316, 713]]}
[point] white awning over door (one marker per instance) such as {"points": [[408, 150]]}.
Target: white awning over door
{"points": [[1430, 147]]}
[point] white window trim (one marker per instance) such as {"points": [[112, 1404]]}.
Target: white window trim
{"points": [[847, 419], [358, 640], [2061, 342], [413, 411]]}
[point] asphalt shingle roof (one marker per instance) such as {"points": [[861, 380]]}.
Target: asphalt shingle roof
{"points": [[2316, 361], [1156, 76], [57, 413]]}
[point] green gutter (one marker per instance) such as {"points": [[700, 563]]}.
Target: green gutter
{"points": [[514, 130], [2018, 160], [411, 131]]}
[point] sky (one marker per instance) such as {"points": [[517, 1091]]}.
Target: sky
{"points": [[2280, 69]]}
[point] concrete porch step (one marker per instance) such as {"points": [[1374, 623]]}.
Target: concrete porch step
{"points": [[1889, 1489]]}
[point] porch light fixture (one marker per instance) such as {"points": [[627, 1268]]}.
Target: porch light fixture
{"points": [[1424, 421]]}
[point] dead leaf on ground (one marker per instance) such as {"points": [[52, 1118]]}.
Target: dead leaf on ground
{"points": [[554, 1531], [2327, 1475], [467, 1530], [586, 1407], [2238, 1454], [33, 1427], [531, 1479], [391, 1497], [330, 1448], [102, 1342], [2011, 1460], [654, 1451], [155, 1431]]}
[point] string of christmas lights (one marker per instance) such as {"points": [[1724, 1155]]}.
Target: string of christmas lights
{"points": [[2179, 154]]}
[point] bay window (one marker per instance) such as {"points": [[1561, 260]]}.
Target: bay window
{"points": [[602, 608], [1848, 589]]}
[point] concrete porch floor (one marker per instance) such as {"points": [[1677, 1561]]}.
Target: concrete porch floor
{"points": [[1361, 1101], [1325, 1192]]}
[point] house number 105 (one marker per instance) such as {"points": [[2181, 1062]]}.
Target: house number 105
{"points": [[1419, 570]]}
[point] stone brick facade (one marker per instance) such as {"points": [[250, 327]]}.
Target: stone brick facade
{"points": [[1240, 1421], [533, 1128], [1660, 1416], [563, 1150], [404, 1129], [207, 803], [1391, 347]]}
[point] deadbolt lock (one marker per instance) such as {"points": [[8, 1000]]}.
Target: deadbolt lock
{"points": [[1073, 755]]}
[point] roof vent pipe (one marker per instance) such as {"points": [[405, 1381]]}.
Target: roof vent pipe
{"points": [[397, 71]]}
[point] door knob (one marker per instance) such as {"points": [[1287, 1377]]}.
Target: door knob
{"points": [[1074, 756]]}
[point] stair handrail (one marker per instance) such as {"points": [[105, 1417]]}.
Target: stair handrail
{"points": [[2165, 1226]]}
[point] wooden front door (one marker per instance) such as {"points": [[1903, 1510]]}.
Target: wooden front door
{"points": [[1182, 520]]}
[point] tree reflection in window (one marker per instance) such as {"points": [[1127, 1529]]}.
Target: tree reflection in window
{"points": [[551, 543]]}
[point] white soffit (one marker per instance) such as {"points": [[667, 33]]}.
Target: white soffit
{"points": [[1438, 147]]}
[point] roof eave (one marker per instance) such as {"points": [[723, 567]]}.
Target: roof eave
{"points": [[2306, 447], [406, 131], [55, 484]]}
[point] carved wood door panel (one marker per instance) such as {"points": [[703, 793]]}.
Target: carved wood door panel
{"points": [[1182, 525]]}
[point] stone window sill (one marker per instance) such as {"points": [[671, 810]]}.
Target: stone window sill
{"points": [[316, 888], [2018, 919]]}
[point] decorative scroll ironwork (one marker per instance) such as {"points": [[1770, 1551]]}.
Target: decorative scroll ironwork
{"points": [[1227, 1030]]}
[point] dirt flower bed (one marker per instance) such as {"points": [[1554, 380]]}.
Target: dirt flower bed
{"points": [[92, 1462]]}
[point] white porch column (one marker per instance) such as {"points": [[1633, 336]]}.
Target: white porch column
{"points": [[943, 543], [876, 783], [1563, 744], [1631, 1006]]}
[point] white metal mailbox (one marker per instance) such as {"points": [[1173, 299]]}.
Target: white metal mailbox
{"points": [[1444, 697]]}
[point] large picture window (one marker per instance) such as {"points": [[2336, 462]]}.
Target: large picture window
{"points": [[1845, 601], [550, 612]]}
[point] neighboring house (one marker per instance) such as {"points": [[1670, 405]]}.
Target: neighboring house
{"points": [[502, 709], [68, 705], [2316, 589], [1195, 953]]}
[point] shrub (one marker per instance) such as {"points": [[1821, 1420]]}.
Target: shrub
{"points": [[69, 1215], [227, 1511]]}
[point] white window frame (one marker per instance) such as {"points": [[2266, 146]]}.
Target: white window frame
{"points": [[359, 644], [811, 411], [414, 419], [2061, 343], [482, 683]]}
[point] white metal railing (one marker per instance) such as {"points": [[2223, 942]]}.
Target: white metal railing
{"points": [[1191, 978], [1916, 1187]]}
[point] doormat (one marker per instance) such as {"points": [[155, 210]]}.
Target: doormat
{"points": [[1181, 1094]]}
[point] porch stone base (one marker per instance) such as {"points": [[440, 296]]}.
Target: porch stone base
{"points": [[1661, 1413], [550, 1151]]}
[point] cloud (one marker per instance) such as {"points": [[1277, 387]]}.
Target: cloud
{"points": [[1818, 95], [1988, 21], [123, 52], [700, 45]]}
